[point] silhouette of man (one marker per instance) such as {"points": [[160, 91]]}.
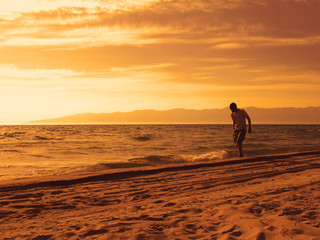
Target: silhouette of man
{"points": [[239, 126]]}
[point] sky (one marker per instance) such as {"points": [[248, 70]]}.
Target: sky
{"points": [[62, 57]]}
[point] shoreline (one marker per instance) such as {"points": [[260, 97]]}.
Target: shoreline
{"points": [[267, 197], [122, 173]]}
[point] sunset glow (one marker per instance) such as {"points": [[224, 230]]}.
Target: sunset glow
{"points": [[62, 57]]}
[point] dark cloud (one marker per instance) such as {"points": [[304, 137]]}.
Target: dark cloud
{"points": [[276, 18], [285, 18], [272, 34]]}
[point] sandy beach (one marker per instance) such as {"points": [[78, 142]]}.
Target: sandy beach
{"points": [[268, 197]]}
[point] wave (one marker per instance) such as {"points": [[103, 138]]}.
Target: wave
{"points": [[164, 159], [42, 138], [216, 155], [114, 165], [143, 138], [8, 134], [155, 160], [13, 134], [158, 159], [11, 150]]}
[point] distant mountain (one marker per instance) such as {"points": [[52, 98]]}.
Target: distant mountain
{"points": [[309, 115]]}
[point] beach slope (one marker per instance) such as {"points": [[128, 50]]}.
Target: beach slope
{"points": [[268, 197]]}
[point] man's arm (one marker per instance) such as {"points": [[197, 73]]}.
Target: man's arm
{"points": [[249, 121], [233, 124]]}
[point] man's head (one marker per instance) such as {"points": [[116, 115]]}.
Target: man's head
{"points": [[233, 107]]}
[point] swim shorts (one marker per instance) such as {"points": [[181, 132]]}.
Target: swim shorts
{"points": [[239, 136]]}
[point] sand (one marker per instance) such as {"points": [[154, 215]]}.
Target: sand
{"points": [[269, 197]]}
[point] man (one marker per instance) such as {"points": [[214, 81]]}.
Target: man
{"points": [[239, 127]]}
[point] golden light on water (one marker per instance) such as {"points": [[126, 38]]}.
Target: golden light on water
{"points": [[103, 56]]}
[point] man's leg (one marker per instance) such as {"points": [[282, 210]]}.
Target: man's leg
{"points": [[239, 148], [237, 137]]}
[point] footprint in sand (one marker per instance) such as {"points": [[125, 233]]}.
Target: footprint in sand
{"points": [[93, 232], [176, 221], [57, 192], [4, 203], [4, 214], [24, 196], [33, 212], [139, 236], [33, 206], [42, 237], [123, 229], [287, 211], [169, 204], [257, 234], [228, 229], [310, 215], [316, 224], [236, 233], [190, 210], [295, 231], [155, 219], [256, 209]]}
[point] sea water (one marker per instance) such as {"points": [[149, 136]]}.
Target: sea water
{"points": [[29, 150]]}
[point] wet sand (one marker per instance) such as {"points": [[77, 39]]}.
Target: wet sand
{"points": [[269, 197]]}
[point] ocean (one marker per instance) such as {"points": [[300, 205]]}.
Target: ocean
{"points": [[37, 150]]}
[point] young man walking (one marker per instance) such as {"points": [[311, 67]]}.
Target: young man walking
{"points": [[239, 117]]}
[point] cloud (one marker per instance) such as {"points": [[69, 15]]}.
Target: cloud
{"points": [[137, 78], [249, 42], [142, 67], [229, 45], [306, 79], [22, 6], [260, 35], [81, 38], [12, 72], [226, 25]]}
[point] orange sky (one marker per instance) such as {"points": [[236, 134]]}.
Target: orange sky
{"points": [[61, 57]]}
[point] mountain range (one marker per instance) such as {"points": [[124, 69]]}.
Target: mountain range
{"points": [[308, 115]]}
